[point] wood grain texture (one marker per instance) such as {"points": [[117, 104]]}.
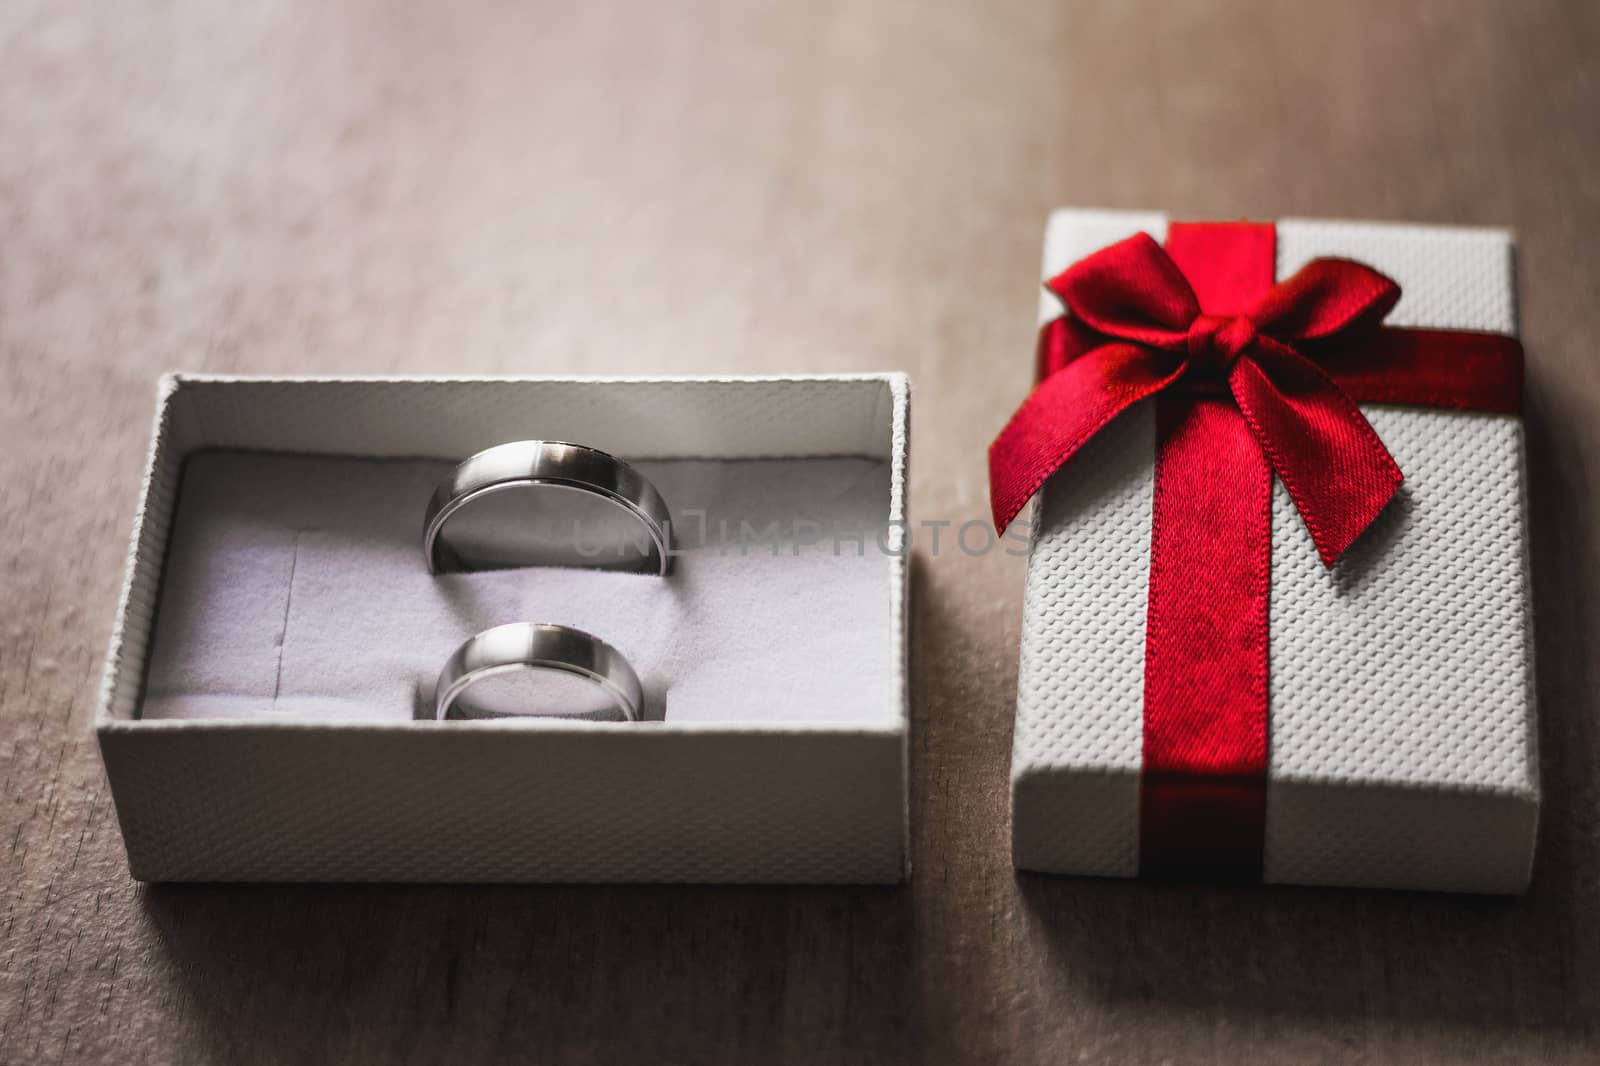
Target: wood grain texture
{"points": [[721, 186]]}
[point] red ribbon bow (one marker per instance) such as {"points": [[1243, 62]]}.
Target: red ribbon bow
{"points": [[1201, 321], [1141, 330]]}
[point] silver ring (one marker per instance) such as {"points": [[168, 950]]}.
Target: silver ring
{"points": [[538, 646], [547, 462]]}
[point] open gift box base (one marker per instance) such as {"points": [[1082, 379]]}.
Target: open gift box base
{"points": [[267, 707]]}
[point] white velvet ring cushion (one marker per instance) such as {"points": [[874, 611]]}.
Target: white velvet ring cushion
{"points": [[295, 587]]}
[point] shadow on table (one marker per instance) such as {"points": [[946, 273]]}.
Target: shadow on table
{"points": [[1319, 954], [1480, 962], [634, 973]]}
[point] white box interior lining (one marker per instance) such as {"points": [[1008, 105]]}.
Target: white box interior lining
{"points": [[796, 647], [295, 588]]}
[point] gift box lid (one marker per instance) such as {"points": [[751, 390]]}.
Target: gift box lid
{"points": [[1402, 745]]}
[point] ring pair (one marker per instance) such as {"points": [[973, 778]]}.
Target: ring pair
{"points": [[545, 646]]}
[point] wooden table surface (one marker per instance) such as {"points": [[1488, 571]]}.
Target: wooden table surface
{"points": [[725, 187]]}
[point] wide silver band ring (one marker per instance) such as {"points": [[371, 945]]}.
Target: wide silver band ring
{"points": [[538, 646], [546, 462]]}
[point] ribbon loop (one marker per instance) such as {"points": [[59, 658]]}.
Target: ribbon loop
{"points": [[1132, 291], [1324, 298]]}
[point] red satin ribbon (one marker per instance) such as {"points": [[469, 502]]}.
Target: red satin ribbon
{"points": [[1253, 379]]}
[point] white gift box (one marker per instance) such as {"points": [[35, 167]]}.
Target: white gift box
{"points": [[263, 714], [1402, 741]]}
